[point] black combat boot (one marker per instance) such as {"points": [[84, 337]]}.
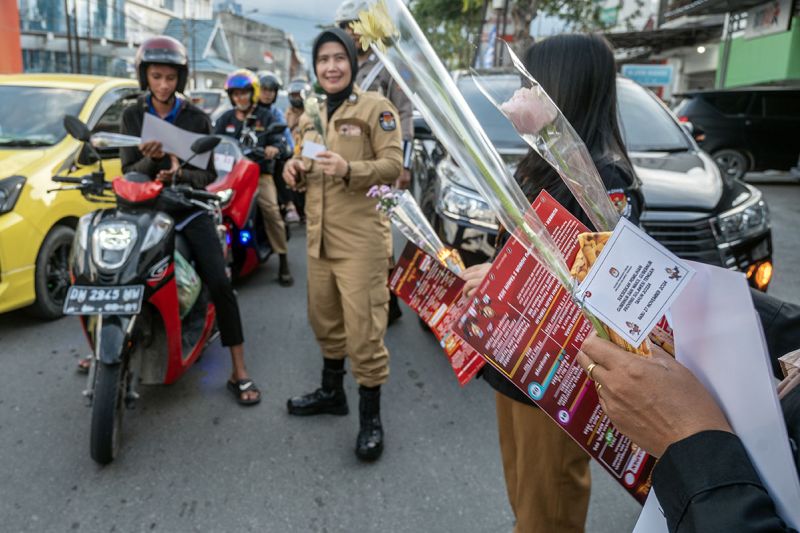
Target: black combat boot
{"points": [[328, 399], [369, 444]]}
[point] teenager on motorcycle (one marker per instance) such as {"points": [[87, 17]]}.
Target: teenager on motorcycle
{"points": [[162, 68], [248, 123]]}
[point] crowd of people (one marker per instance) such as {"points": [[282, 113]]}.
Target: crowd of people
{"points": [[704, 480]]}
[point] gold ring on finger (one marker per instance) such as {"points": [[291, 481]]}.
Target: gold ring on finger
{"points": [[597, 386], [589, 370]]}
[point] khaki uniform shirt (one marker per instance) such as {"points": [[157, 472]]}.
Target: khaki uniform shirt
{"points": [[341, 220], [385, 85]]}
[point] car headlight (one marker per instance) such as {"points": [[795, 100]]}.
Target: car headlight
{"points": [[10, 189], [112, 243], [458, 202], [157, 230], [750, 218]]}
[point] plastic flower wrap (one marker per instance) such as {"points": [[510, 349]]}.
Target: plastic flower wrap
{"points": [[311, 108], [412, 62], [106, 139], [405, 214], [541, 124]]}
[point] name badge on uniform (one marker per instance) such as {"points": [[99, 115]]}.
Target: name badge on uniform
{"points": [[230, 128], [350, 130], [387, 121]]}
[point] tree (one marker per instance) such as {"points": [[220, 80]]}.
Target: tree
{"points": [[453, 28]]}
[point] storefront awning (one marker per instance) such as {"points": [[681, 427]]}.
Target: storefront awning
{"points": [[666, 38]]}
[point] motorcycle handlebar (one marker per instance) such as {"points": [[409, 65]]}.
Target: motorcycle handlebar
{"points": [[65, 179]]}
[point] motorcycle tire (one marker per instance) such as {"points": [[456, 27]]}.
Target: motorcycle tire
{"points": [[108, 405]]}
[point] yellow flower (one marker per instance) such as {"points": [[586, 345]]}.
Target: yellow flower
{"points": [[374, 26]]}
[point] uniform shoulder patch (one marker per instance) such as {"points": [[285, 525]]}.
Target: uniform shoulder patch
{"points": [[387, 121], [619, 197]]}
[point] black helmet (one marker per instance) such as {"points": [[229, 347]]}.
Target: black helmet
{"points": [[269, 81], [162, 50]]}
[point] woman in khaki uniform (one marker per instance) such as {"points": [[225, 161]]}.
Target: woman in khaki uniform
{"points": [[349, 242]]}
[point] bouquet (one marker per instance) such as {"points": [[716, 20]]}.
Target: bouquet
{"points": [[405, 214], [396, 38]]}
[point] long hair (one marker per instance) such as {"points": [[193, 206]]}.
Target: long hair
{"points": [[579, 74]]}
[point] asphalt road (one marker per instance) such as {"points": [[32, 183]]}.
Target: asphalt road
{"points": [[193, 460]]}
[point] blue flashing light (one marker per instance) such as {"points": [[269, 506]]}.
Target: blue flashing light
{"points": [[245, 236]]}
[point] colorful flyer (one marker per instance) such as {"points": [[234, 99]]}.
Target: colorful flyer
{"points": [[527, 326], [435, 294]]}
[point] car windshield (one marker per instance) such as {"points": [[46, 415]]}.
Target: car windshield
{"points": [[207, 101], [497, 127], [646, 125], [33, 116]]}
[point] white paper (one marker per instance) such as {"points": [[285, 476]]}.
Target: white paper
{"points": [[718, 337], [633, 282], [173, 139], [223, 162], [311, 149]]}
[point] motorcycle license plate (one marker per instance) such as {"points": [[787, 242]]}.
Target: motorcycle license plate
{"points": [[125, 300]]}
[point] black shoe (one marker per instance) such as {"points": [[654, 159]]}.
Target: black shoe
{"points": [[394, 310], [369, 443], [329, 399]]}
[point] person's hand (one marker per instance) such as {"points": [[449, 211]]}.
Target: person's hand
{"points": [[332, 164], [166, 176], [271, 152], [404, 181], [473, 277], [152, 149], [655, 400], [292, 171]]}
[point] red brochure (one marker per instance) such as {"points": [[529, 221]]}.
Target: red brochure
{"points": [[526, 325], [434, 293]]}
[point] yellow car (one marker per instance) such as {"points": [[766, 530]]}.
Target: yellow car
{"points": [[37, 224]]}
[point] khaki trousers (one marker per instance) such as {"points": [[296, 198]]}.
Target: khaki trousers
{"points": [[547, 474], [348, 302], [271, 213]]}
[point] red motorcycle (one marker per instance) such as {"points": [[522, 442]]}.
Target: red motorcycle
{"points": [[142, 306]]}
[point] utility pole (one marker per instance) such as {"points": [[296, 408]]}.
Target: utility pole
{"points": [[89, 34], [77, 37], [69, 37]]}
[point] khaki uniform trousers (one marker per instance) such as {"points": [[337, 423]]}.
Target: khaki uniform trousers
{"points": [[348, 302], [547, 473], [271, 213]]}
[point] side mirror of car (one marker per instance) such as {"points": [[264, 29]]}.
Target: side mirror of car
{"points": [[698, 133], [76, 128], [205, 144]]}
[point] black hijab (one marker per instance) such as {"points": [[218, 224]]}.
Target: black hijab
{"points": [[337, 35]]}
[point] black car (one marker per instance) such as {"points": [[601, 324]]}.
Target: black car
{"points": [[746, 129], [690, 208]]}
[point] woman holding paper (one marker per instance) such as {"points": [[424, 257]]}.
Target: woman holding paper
{"points": [[351, 141], [579, 74]]}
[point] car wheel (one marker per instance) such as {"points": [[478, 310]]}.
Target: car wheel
{"points": [[52, 273], [732, 163]]}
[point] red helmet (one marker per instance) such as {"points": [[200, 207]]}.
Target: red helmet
{"points": [[162, 50]]}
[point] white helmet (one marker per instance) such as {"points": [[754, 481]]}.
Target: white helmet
{"points": [[349, 10]]}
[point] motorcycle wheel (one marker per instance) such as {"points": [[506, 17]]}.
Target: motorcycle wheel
{"points": [[108, 405]]}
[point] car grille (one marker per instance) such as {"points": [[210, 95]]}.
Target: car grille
{"points": [[689, 240]]}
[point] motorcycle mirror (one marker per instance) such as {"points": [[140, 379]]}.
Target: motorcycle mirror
{"points": [[205, 144], [276, 128], [76, 128]]}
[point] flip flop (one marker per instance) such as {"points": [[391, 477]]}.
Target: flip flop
{"points": [[241, 386]]}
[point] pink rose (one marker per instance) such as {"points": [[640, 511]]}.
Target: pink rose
{"points": [[528, 111]]}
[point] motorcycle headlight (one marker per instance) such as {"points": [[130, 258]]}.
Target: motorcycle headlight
{"points": [[157, 230], [458, 202], [750, 218], [10, 189], [112, 243]]}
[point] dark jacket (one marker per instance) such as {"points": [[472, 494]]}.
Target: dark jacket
{"points": [[781, 323], [707, 483], [617, 181], [190, 118], [257, 123]]}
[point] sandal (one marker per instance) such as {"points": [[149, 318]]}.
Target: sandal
{"points": [[241, 386], [84, 364]]}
